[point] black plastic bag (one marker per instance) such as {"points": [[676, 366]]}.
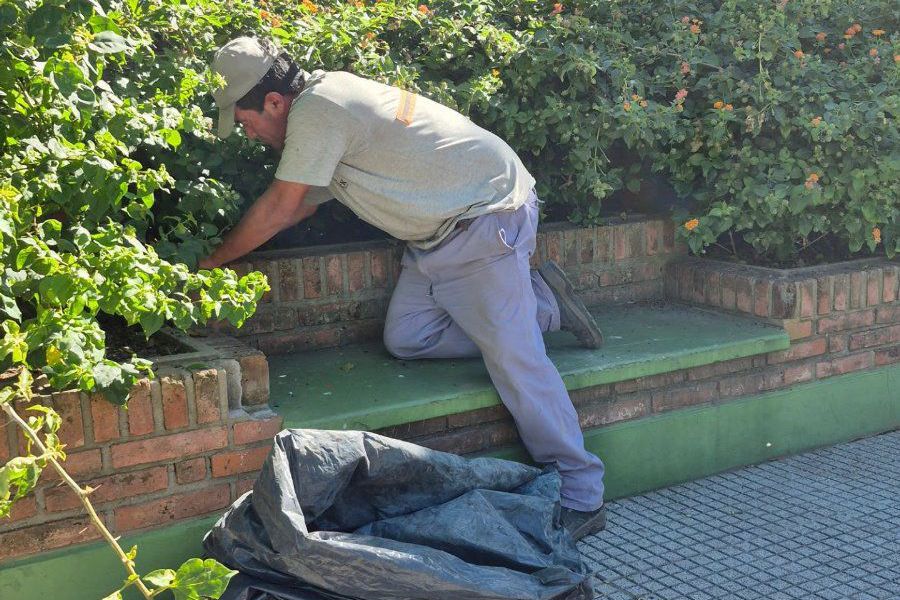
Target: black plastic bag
{"points": [[349, 514]]}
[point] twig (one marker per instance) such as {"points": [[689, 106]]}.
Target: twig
{"points": [[82, 495]]}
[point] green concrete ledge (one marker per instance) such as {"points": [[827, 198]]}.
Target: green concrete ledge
{"points": [[363, 387], [640, 455]]}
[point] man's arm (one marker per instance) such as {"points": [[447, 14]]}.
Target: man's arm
{"points": [[281, 206]]}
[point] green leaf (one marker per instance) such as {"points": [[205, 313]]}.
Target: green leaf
{"points": [[198, 578], [161, 578], [108, 42], [117, 595]]}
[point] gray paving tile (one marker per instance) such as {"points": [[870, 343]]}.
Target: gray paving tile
{"points": [[822, 525]]}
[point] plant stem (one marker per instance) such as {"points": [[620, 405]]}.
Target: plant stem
{"points": [[83, 496]]}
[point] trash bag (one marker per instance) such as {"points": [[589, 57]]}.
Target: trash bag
{"points": [[356, 515]]}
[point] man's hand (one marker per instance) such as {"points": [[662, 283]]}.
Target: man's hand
{"points": [[281, 206]]}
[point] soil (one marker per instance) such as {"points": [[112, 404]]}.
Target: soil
{"points": [[123, 340]]}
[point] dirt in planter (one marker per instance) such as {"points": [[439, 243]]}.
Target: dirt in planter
{"points": [[829, 249], [123, 340]]}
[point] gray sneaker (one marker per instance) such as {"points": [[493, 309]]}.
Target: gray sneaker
{"points": [[573, 315], [580, 523]]}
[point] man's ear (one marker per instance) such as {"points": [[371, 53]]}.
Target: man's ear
{"points": [[277, 103]]}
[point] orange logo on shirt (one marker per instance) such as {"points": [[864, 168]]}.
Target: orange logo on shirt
{"points": [[406, 107]]}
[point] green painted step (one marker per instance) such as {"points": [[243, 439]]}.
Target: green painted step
{"points": [[363, 387], [640, 455]]}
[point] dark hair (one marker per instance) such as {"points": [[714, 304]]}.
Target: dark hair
{"points": [[284, 77]]}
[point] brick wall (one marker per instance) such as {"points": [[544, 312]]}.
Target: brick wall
{"points": [[189, 443], [336, 295], [841, 318]]}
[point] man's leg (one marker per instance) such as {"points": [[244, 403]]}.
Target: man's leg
{"points": [[416, 327], [482, 280]]}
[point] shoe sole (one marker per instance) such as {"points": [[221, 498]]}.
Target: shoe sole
{"points": [[556, 278]]}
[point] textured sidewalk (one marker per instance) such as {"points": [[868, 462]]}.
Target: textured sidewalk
{"points": [[825, 524]]}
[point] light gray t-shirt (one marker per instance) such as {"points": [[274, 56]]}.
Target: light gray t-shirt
{"points": [[408, 165]]}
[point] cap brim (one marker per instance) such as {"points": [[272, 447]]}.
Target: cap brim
{"points": [[226, 121]]}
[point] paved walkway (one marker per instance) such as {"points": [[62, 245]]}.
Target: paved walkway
{"points": [[825, 524]]}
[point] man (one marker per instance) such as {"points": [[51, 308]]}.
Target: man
{"points": [[464, 203]]}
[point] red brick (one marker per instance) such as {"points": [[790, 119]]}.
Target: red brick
{"points": [[243, 461], [653, 231], [762, 297], [855, 320], [270, 270], [206, 396], [858, 289], [719, 368], [242, 486], [570, 247], [684, 274], [22, 510], [697, 393], [6, 428], [174, 402], [823, 295], [649, 382], [798, 329], [750, 384], [875, 337], [71, 430], [873, 289], [289, 280], [140, 409], [262, 322], [312, 278], [698, 286], [814, 347], [168, 447], [838, 342], [669, 234], [621, 242], [378, 265], [785, 298], [807, 298], [78, 464], [106, 489], [255, 379], [713, 291], [841, 292], [887, 356], [47, 536], [188, 471], [603, 251], [798, 373], [586, 245], [356, 271], [173, 508], [247, 432], [887, 314], [105, 418], [744, 294], [554, 246], [621, 408], [415, 429], [729, 292], [889, 289], [334, 275], [845, 364]]}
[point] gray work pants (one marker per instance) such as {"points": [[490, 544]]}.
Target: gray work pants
{"points": [[475, 295]]}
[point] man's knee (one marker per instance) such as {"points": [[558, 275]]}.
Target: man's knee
{"points": [[397, 342]]}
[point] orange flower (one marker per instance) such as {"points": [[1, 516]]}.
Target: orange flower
{"points": [[680, 95], [798, 53], [897, 58], [685, 19], [692, 224], [814, 177], [729, 107], [626, 106], [856, 27], [878, 32], [423, 9], [359, 4], [695, 29], [685, 68], [820, 36], [308, 5], [643, 104], [873, 52], [719, 104], [370, 36], [876, 235], [557, 8], [811, 181], [495, 72], [635, 97], [815, 121]]}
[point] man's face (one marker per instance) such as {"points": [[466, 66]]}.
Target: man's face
{"points": [[269, 126]]}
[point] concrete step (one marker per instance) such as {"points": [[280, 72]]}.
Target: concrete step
{"points": [[363, 387]]}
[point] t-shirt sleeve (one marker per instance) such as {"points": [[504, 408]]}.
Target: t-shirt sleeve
{"points": [[319, 134], [318, 195]]}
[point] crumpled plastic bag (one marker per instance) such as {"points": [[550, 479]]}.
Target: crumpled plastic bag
{"points": [[350, 514]]}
